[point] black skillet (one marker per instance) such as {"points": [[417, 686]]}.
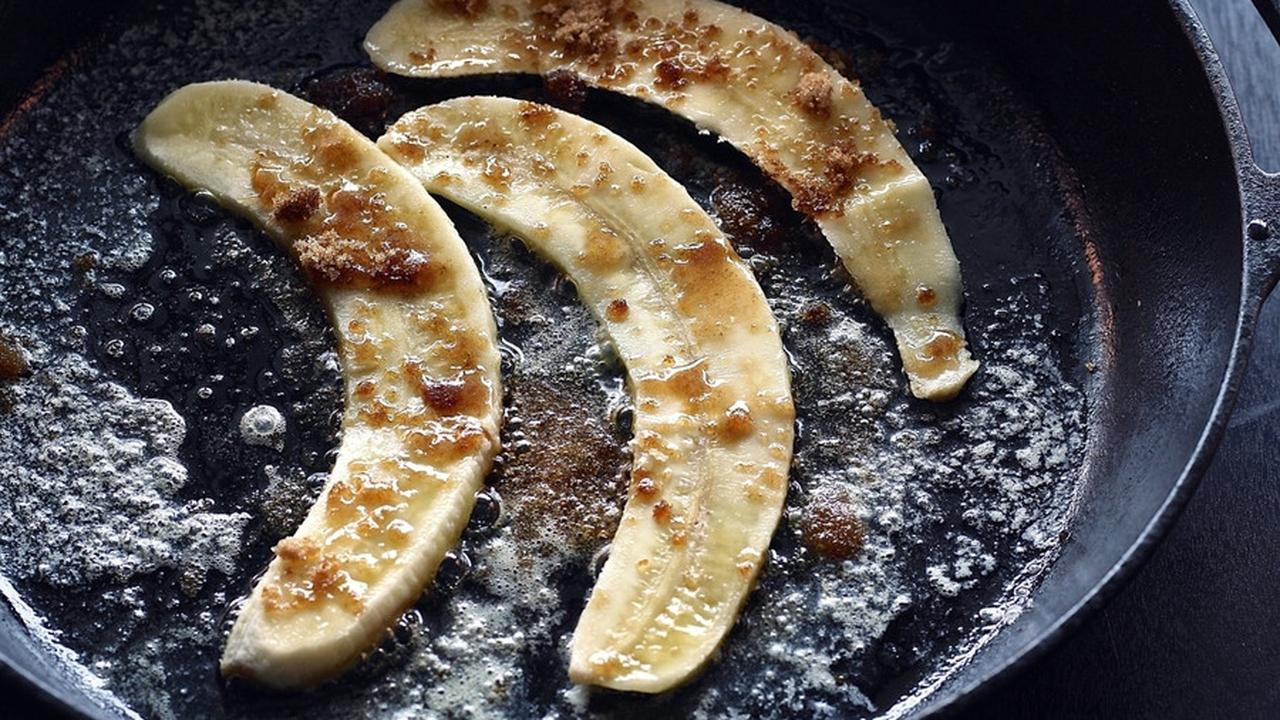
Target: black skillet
{"points": [[1177, 257]]}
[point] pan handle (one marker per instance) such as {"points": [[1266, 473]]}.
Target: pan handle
{"points": [[1262, 197], [1262, 230]]}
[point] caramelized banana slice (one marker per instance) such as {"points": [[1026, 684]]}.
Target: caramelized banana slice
{"points": [[419, 360], [713, 411], [760, 88]]}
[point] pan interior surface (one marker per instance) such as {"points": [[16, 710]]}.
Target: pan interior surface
{"points": [[153, 321], [1163, 244]]}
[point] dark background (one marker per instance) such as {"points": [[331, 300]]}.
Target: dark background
{"points": [[1196, 633]]}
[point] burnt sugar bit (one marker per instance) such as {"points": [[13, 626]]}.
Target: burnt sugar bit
{"points": [[751, 215], [13, 361], [362, 96], [831, 526]]}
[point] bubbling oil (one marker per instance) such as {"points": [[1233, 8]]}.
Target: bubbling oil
{"points": [[185, 398]]}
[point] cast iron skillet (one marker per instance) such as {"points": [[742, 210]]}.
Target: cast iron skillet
{"points": [[1176, 222]]}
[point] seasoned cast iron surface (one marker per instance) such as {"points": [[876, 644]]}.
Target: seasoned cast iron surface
{"points": [[1203, 606], [138, 506]]}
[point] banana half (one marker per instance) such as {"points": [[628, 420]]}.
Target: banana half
{"points": [[419, 356], [764, 91], [713, 411]]}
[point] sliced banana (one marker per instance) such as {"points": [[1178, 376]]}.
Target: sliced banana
{"points": [[760, 88], [418, 347], [713, 410]]}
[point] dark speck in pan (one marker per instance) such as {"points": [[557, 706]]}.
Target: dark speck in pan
{"points": [[13, 361]]}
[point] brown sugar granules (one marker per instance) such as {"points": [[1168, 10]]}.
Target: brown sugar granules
{"points": [[823, 192], [569, 479], [812, 94], [331, 258], [585, 28]]}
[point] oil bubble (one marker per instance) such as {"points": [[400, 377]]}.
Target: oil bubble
{"points": [[264, 426], [142, 312]]}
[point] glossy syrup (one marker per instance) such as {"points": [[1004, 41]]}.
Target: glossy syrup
{"points": [[141, 303]]}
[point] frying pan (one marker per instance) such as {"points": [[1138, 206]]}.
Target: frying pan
{"points": [[1167, 258]]}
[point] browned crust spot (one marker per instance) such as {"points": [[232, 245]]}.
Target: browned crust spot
{"points": [[447, 443], [674, 73], [359, 492], [617, 310], [603, 251], [308, 575], [603, 172], [298, 205], [938, 352], [496, 174], [365, 389], [535, 115], [267, 101], [691, 385], [357, 240], [609, 666], [642, 486], [466, 393], [671, 73], [294, 553], [411, 150], [737, 422], [266, 182], [332, 148], [925, 296], [709, 277], [422, 57], [327, 578]]}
